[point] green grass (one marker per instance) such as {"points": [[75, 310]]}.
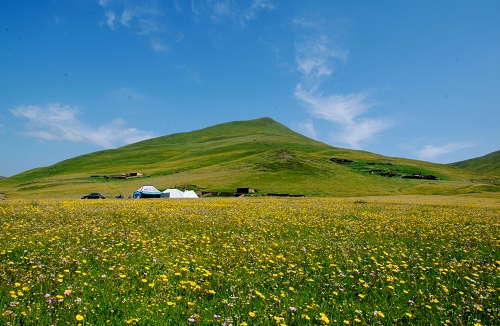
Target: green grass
{"points": [[259, 153], [487, 165]]}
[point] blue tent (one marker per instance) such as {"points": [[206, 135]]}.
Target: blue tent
{"points": [[147, 192]]}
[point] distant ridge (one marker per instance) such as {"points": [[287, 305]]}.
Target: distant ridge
{"points": [[485, 165], [261, 154]]}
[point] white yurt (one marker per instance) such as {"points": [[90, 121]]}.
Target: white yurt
{"points": [[172, 193], [190, 194]]}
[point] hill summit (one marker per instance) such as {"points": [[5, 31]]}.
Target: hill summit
{"points": [[260, 153]]}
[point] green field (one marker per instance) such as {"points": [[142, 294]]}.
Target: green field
{"points": [[249, 261], [261, 154]]}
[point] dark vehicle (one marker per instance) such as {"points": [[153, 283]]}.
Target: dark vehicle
{"points": [[94, 195]]}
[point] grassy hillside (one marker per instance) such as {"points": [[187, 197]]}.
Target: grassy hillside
{"points": [[487, 165], [259, 153]]}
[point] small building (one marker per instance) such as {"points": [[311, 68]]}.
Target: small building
{"points": [[246, 190]]}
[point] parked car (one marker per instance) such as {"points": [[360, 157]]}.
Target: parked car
{"points": [[94, 195]]}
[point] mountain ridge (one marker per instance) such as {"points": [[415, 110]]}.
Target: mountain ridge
{"points": [[488, 164], [259, 153]]}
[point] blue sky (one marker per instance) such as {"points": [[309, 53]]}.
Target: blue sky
{"points": [[414, 79]]}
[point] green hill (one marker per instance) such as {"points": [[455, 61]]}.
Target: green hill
{"points": [[261, 154], [487, 165]]}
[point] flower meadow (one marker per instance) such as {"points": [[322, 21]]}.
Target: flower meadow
{"points": [[248, 261]]}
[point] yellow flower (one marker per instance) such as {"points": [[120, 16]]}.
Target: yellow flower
{"points": [[252, 314], [79, 317], [324, 318]]}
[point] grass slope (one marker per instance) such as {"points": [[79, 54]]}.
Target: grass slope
{"points": [[259, 153], [485, 165]]}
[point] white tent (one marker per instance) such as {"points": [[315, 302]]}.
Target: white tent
{"points": [[176, 193], [190, 194], [172, 193]]}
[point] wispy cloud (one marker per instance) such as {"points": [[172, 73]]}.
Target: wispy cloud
{"points": [[316, 56], [345, 112], [257, 6], [127, 15], [307, 128], [110, 19], [158, 45], [219, 11], [431, 151], [338, 108], [141, 17], [104, 3], [58, 122], [147, 17]]}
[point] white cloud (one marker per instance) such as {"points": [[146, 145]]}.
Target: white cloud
{"points": [[344, 111], [104, 3], [142, 17], [158, 46], [361, 131], [307, 128], [220, 10], [127, 15], [316, 55], [110, 18], [431, 151], [57, 122], [256, 7], [341, 109]]}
